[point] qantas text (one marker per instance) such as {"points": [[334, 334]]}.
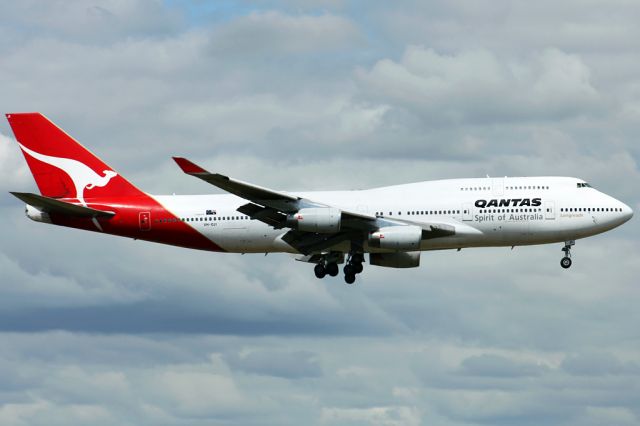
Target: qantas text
{"points": [[509, 202]]}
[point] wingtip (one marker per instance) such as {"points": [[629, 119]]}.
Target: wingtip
{"points": [[187, 166]]}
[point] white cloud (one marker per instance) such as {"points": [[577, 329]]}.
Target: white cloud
{"points": [[476, 86], [276, 33], [86, 22], [14, 173], [197, 393]]}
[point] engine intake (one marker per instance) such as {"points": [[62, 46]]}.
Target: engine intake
{"points": [[398, 238], [324, 220]]}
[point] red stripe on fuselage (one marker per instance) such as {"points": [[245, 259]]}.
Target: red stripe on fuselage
{"points": [[126, 222]]}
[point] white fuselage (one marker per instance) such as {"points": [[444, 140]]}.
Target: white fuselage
{"points": [[527, 210]]}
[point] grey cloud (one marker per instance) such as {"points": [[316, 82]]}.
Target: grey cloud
{"points": [[598, 363], [365, 380], [280, 363], [498, 366]]}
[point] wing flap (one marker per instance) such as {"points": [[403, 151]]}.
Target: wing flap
{"points": [[308, 243], [264, 214], [51, 205], [437, 230]]}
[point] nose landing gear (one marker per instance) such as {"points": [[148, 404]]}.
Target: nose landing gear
{"points": [[565, 262]]}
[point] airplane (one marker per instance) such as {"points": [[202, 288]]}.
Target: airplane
{"points": [[392, 224]]}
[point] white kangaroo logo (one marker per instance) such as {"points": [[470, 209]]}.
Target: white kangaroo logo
{"points": [[82, 176]]}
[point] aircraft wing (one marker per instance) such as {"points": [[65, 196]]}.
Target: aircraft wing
{"points": [[267, 205], [264, 196], [272, 207]]}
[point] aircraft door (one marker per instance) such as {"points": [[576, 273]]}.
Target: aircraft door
{"points": [[549, 210], [144, 219], [466, 212], [497, 185]]}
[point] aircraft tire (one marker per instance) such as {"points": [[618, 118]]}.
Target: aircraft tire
{"points": [[358, 267], [332, 269], [349, 270], [350, 278], [565, 262], [320, 271]]}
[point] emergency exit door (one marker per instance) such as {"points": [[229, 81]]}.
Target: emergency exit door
{"points": [[549, 210], [145, 221]]}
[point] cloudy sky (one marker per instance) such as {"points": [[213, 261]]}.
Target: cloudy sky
{"points": [[308, 95]]}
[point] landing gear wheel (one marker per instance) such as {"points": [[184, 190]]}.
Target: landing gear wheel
{"points": [[349, 270], [349, 278], [332, 269], [320, 271], [565, 262], [358, 267]]}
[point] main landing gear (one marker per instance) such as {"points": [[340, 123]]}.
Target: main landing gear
{"points": [[330, 267], [353, 267], [565, 262], [324, 268]]}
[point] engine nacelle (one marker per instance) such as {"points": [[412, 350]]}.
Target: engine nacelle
{"points": [[36, 214], [401, 259], [398, 238], [324, 220]]}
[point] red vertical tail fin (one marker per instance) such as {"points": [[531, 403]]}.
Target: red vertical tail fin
{"points": [[61, 166]]}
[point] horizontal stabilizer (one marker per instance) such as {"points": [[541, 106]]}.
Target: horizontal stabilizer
{"points": [[51, 205]]}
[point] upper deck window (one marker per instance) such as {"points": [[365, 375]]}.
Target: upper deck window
{"points": [[584, 185]]}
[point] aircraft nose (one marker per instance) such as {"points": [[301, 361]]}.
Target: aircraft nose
{"points": [[627, 212]]}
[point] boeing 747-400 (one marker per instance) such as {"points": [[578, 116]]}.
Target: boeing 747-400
{"points": [[392, 224]]}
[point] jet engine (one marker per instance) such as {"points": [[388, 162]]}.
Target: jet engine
{"points": [[398, 238], [401, 259], [324, 220]]}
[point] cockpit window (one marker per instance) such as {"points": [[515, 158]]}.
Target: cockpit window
{"points": [[583, 185]]}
